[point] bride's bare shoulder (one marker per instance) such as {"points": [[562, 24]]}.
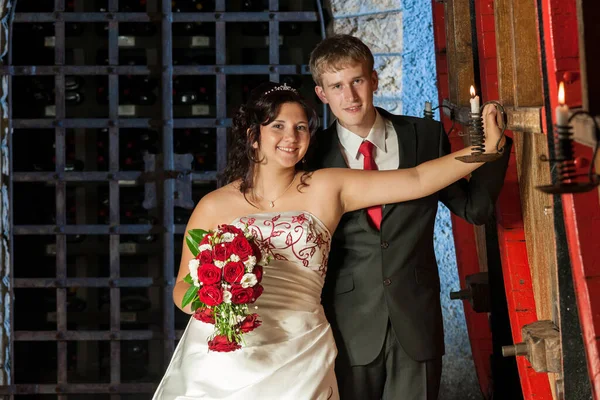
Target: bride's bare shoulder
{"points": [[325, 175], [216, 206]]}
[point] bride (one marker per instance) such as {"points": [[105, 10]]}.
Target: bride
{"points": [[293, 212]]}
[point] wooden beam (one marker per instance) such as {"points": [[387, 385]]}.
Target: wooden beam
{"points": [[460, 51], [519, 74], [526, 67], [537, 209], [521, 93], [522, 119], [503, 15]]}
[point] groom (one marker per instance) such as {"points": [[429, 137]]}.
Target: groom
{"points": [[382, 293]]}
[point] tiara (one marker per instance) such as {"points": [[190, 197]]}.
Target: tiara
{"points": [[281, 87]]}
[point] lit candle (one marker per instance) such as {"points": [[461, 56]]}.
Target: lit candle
{"points": [[562, 110], [428, 106], [474, 101]]}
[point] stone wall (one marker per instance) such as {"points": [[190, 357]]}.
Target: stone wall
{"points": [[400, 34]]}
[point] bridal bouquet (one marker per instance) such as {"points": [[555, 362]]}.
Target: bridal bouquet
{"points": [[225, 276]]}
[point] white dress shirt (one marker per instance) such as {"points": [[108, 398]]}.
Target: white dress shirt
{"points": [[382, 135]]}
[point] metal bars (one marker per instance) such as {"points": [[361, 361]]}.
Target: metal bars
{"points": [[114, 177]]}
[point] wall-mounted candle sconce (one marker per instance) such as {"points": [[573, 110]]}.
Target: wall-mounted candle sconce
{"points": [[474, 124], [564, 154], [476, 134], [428, 114]]}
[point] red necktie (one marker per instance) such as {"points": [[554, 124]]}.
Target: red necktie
{"points": [[366, 149]]}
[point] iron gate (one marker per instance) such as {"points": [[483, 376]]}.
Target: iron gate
{"points": [[84, 334]]}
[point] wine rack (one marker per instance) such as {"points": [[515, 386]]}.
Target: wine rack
{"points": [[118, 112]]}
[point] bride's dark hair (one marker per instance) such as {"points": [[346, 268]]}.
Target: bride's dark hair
{"points": [[262, 108]]}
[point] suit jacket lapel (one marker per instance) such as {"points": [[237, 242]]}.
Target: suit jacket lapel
{"points": [[333, 157], [407, 152], [407, 145]]}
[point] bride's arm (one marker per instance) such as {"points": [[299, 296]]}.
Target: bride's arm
{"points": [[360, 189], [202, 217]]}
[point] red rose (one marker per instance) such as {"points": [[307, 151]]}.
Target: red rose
{"points": [[250, 323], [209, 274], [205, 257], [258, 271], [222, 344], [258, 290], [211, 295], [221, 251], [242, 247], [233, 272], [231, 229], [240, 295], [205, 239], [205, 315], [256, 251]]}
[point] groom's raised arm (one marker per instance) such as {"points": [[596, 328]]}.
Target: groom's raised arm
{"points": [[474, 199]]}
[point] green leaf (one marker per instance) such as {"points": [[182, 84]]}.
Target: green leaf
{"points": [[197, 234], [196, 304], [191, 293], [192, 245], [188, 279]]}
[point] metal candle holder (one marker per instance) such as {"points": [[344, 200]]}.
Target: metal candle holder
{"points": [[429, 115], [565, 161], [477, 137]]}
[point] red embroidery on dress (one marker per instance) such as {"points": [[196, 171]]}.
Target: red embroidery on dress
{"points": [[303, 240], [299, 219]]}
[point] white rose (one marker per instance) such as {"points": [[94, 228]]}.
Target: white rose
{"points": [[250, 262], [193, 266], [205, 246], [248, 280], [226, 296], [227, 237]]}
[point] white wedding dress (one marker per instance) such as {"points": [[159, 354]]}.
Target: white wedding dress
{"points": [[291, 355]]}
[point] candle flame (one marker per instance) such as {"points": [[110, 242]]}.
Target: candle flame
{"points": [[472, 91], [561, 93]]}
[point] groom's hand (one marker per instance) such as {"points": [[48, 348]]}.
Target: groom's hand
{"points": [[491, 129]]}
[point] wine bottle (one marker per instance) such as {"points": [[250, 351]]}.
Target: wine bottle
{"points": [[134, 360], [127, 56], [137, 29], [290, 28], [124, 5], [255, 5], [201, 143], [194, 28], [192, 5], [255, 29], [194, 90], [194, 56], [205, 153], [135, 300], [133, 90]]}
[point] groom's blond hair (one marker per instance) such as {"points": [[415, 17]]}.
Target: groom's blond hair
{"points": [[338, 52]]}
